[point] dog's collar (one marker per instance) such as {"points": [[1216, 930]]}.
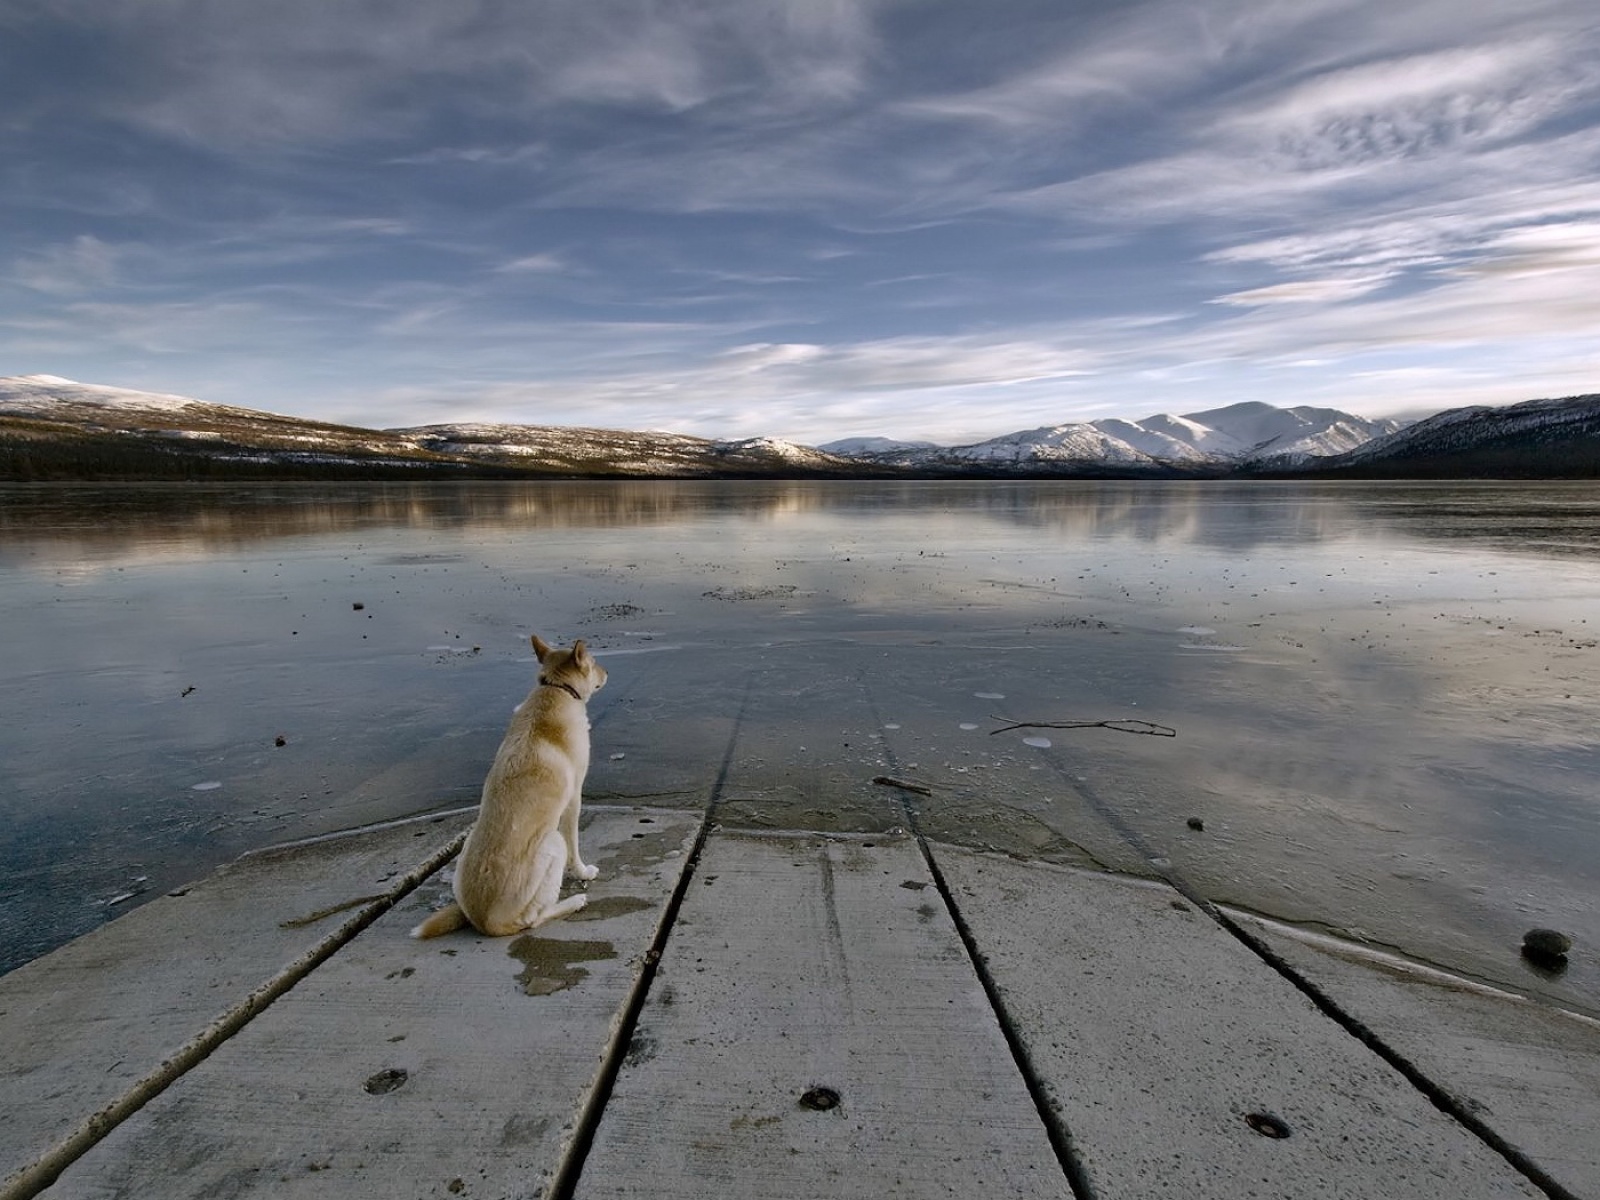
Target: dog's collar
{"points": [[565, 687]]}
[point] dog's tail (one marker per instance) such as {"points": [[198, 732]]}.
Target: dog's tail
{"points": [[446, 920]]}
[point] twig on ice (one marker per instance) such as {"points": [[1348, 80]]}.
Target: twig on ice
{"points": [[890, 781], [1147, 728]]}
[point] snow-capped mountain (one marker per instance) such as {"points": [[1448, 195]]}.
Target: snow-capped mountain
{"points": [[1283, 436], [41, 395], [1241, 434], [1072, 443], [1171, 439], [1267, 433]]}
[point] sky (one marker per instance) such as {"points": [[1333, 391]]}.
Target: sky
{"points": [[810, 219]]}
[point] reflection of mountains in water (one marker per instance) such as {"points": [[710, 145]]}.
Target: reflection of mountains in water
{"points": [[177, 520], [1536, 517], [1542, 518], [218, 516]]}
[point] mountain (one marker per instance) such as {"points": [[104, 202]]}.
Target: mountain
{"points": [[574, 450], [52, 428], [871, 445], [1062, 447], [1171, 439], [112, 431], [1286, 435], [1535, 439], [1252, 435]]}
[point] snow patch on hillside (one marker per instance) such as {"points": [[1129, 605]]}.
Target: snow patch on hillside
{"points": [[1054, 443], [38, 395], [1152, 442]]}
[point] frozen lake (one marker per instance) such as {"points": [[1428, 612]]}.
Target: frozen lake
{"points": [[1383, 694]]}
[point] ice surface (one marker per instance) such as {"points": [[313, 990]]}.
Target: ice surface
{"points": [[1365, 757]]}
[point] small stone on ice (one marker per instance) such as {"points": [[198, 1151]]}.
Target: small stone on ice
{"points": [[1545, 943]]}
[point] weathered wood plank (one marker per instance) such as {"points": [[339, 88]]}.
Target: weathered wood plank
{"points": [[1531, 1073], [400, 1068], [86, 1031], [804, 963], [1156, 1034]]}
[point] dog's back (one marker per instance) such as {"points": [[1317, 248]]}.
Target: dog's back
{"points": [[509, 874]]}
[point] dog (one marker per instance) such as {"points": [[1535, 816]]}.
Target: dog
{"points": [[508, 878]]}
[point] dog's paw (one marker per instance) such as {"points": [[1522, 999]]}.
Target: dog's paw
{"points": [[585, 871]]}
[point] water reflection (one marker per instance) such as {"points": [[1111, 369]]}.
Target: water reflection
{"points": [[1383, 691], [86, 519]]}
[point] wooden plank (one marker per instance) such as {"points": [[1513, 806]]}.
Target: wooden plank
{"points": [[88, 1031], [454, 1066], [1156, 1034], [1528, 1071], [804, 963]]}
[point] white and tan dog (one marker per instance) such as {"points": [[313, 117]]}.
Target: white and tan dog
{"points": [[508, 877]]}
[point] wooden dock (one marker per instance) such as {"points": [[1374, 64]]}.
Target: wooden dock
{"points": [[766, 1014]]}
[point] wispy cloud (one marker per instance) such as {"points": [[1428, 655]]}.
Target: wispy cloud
{"points": [[83, 264], [1449, 101], [535, 264], [1305, 291], [796, 390], [1539, 249], [1371, 135], [240, 76]]}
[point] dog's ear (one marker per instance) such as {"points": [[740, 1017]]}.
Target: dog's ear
{"points": [[580, 655], [539, 647]]}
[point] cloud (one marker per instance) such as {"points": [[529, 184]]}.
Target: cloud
{"points": [[798, 390], [1531, 188], [154, 328], [761, 356], [81, 265], [537, 264], [1153, 60], [1415, 106], [1485, 311], [237, 75], [1302, 141], [1539, 250], [1304, 291], [1065, 89]]}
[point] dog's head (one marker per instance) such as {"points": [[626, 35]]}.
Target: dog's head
{"points": [[575, 667]]}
